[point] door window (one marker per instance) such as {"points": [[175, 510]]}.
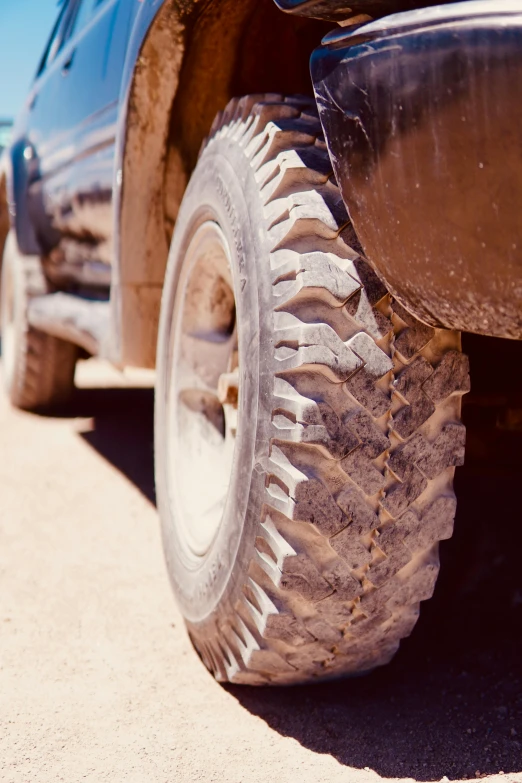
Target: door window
{"points": [[58, 35], [85, 10]]}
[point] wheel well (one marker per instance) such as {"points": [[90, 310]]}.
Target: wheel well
{"points": [[191, 64]]}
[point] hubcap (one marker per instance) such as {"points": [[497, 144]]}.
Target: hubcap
{"points": [[203, 390]]}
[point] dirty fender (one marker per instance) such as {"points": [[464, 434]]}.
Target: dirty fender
{"points": [[422, 112]]}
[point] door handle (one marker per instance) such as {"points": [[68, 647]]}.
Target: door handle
{"points": [[66, 67]]}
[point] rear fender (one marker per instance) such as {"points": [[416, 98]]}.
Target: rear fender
{"points": [[422, 114], [341, 10]]}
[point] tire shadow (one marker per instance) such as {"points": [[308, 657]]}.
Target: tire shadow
{"points": [[122, 430]]}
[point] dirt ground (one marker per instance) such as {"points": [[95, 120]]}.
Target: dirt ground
{"points": [[97, 677]]}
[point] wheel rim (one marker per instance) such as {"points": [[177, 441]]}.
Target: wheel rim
{"points": [[202, 391], [8, 317]]}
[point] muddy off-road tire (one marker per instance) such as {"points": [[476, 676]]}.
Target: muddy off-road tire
{"points": [[313, 563], [37, 369]]}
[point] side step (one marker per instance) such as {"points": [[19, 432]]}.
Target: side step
{"points": [[82, 321]]}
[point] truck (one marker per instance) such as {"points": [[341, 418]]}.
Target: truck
{"points": [[291, 210]]}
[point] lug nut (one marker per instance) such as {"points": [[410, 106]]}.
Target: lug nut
{"points": [[228, 388]]}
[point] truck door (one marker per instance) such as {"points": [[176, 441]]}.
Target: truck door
{"points": [[73, 132]]}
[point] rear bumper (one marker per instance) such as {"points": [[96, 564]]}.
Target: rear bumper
{"points": [[422, 113]]}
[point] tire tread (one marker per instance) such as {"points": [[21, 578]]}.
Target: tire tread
{"points": [[366, 432]]}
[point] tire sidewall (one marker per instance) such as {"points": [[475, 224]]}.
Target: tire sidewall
{"points": [[223, 188]]}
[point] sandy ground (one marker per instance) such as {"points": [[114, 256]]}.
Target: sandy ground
{"points": [[98, 680]]}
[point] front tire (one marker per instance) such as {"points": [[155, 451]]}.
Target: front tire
{"points": [[338, 487], [37, 368]]}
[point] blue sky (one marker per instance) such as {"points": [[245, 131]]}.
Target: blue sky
{"points": [[25, 26]]}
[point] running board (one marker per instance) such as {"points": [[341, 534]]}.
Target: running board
{"points": [[84, 322]]}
